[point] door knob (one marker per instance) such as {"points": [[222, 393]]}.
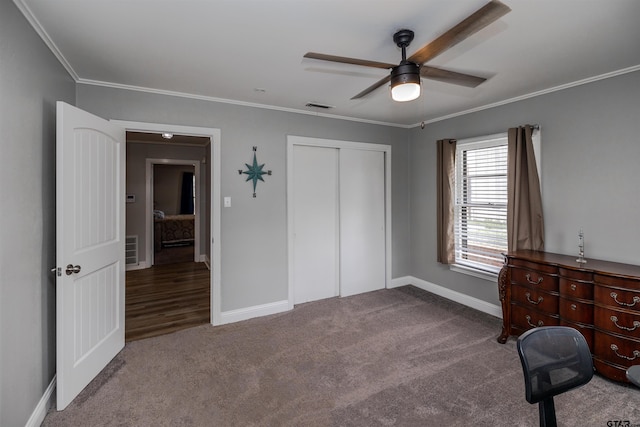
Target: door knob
{"points": [[72, 269]]}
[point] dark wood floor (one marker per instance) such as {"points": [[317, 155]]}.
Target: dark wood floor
{"points": [[166, 298], [173, 254]]}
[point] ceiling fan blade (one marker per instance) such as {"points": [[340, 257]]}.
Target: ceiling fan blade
{"points": [[373, 87], [452, 77], [472, 24], [345, 60]]}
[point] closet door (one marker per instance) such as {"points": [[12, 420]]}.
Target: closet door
{"points": [[362, 221], [315, 223]]}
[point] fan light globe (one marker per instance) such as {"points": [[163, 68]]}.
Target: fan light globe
{"points": [[405, 92]]}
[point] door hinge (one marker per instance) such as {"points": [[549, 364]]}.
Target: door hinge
{"points": [[57, 271]]}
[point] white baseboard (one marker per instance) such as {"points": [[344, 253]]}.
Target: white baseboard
{"points": [[401, 281], [204, 258], [47, 400], [139, 266], [232, 316], [469, 301]]}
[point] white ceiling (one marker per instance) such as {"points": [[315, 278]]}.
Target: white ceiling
{"points": [[251, 51]]}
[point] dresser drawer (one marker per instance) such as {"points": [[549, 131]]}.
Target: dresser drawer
{"points": [[532, 265], [534, 279], [617, 298], [535, 299], [580, 275], [610, 370], [615, 349], [524, 318], [621, 322], [575, 289], [618, 282], [576, 311]]}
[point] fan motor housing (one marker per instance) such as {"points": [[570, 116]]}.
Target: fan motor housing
{"points": [[406, 72]]}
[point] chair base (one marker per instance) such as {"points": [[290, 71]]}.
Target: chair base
{"points": [[547, 411]]}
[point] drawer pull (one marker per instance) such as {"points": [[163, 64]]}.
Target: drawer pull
{"points": [[528, 277], [636, 300], [574, 307], [636, 324], [528, 295], [540, 322], [636, 353], [573, 287]]}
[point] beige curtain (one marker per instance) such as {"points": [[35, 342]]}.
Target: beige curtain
{"points": [[446, 180], [525, 225]]}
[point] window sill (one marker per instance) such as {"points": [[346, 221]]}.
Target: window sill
{"points": [[481, 274]]}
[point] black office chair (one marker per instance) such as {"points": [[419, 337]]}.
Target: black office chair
{"points": [[554, 359], [633, 375]]}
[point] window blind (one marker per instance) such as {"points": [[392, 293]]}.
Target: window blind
{"points": [[480, 222]]}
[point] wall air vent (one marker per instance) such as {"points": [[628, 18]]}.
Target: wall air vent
{"points": [[316, 105]]}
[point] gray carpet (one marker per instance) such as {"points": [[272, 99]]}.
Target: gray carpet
{"points": [[399, 357]]}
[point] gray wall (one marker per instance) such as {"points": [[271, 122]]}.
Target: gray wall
{"points": [[31, 81], [254, 231], [590, 157], [137, 154]]}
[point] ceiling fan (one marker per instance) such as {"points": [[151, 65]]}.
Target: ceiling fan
{"points": [[405, 77]]}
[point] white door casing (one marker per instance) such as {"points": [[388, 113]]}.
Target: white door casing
{"points": [[90, 230], [215, 191], [315, 221]]}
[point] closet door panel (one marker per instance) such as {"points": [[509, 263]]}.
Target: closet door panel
{"points": [[362, 221], [315, 222]]}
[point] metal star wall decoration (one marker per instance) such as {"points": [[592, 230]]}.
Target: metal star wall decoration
{"points": [[254, 171]]}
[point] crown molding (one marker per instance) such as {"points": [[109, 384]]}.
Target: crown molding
{"points": [[532, 94], [233, 102], [353, 119]]}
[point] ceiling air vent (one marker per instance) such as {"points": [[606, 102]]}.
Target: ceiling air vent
{"points": [[316, 105]]}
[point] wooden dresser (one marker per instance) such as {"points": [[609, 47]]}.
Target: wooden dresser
{"points": [[601, 299]]}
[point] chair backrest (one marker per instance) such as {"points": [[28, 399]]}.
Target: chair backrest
{"points": [[554, 359]]}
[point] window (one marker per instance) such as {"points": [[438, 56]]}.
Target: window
{"points": [[480, 211]]}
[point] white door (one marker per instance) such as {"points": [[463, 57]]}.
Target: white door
{"points": [[362, 221], [315, 222], [90, 248]]}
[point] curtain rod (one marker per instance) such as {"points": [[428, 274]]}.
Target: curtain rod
{"points": [[535, 127]]}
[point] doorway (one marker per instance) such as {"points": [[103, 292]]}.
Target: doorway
{"points": [[174, 200], [210, 219], [166, 213], [173, 193]]}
